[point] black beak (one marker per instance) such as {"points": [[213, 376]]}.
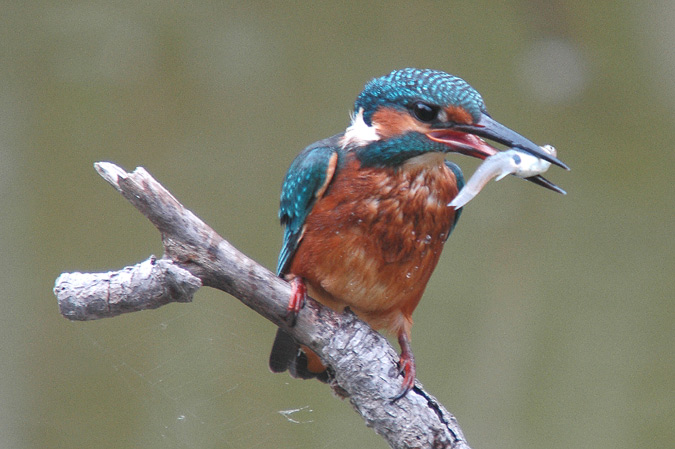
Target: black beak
{"points": [[541, 181], [490, 129]]}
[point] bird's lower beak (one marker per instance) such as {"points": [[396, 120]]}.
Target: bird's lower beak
{"points": [[466, 139]]}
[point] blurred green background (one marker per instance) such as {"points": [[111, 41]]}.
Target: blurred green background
{"points": [[548, 323]]}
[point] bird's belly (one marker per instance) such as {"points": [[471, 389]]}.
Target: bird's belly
{"points": [[381, 291], [374, 240]]}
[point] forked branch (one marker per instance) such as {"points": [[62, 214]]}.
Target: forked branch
{"points": [[362, 360]]}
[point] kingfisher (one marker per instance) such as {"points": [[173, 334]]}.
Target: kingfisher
{"points": [[366, 212]]}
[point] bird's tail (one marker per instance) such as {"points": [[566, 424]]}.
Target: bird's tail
{"points": [[300, 361]]}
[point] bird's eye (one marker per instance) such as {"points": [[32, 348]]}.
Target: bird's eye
{"points": [[425, 112]]}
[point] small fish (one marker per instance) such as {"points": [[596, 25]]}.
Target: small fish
{"points": [[510, 162]]}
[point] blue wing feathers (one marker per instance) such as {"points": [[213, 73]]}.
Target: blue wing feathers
{"points": [[305, 178]]}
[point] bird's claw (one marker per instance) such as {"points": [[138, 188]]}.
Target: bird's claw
{"points": [[406, 367], [297, 300]]}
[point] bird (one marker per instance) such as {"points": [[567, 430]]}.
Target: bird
{"points": [[365, 212]]}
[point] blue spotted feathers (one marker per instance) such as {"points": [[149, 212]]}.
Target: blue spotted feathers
{"points": [[404, 86]]}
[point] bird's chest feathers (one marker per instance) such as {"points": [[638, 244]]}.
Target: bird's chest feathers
{"points": [[405, 209], [378, 232]]}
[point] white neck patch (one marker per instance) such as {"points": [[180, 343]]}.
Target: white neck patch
{"points": [[359, 133]]}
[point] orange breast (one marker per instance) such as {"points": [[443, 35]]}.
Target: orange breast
{"points": [[372, 241]]}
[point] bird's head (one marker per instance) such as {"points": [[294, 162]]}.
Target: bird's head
{"points": [[412, 112]]}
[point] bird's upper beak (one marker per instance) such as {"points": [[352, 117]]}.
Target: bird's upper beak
{"points": [[466, 139]]}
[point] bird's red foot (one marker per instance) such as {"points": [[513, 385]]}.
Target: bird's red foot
{"points": [[296, 301], [406, 366]]}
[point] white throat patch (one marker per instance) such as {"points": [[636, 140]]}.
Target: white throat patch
{"points": [[359, 133]]}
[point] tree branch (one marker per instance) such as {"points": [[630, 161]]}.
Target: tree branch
{"points": [[194, 254]]}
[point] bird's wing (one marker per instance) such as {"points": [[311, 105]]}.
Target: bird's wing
{"points": [[306, 181], [459, 176]]}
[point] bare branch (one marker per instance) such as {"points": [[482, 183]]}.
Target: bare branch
{"points": [[147, 285], [362, 360]]}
